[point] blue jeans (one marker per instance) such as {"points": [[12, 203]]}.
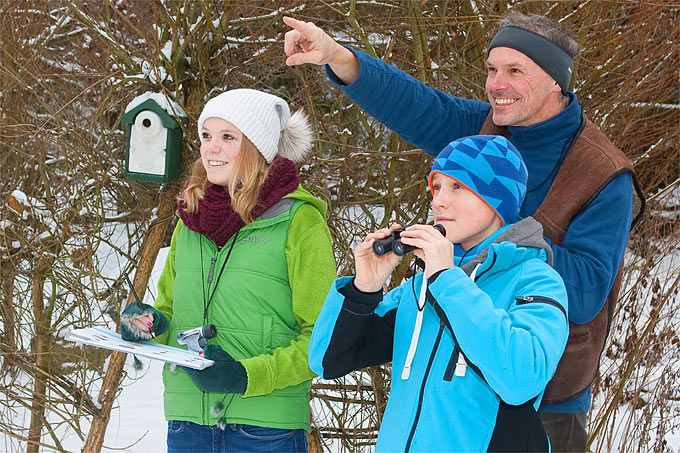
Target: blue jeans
{"points": [[188, 437]]}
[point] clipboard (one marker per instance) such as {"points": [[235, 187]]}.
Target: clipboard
{"points": [[108, 339]]}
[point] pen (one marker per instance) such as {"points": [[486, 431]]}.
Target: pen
{"points": [[149, 324]]}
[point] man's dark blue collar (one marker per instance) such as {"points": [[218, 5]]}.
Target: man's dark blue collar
{"points": [[564, 123]]}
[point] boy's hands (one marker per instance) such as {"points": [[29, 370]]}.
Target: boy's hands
{"points": [[431, 247], [307, 43], [372, 270]]}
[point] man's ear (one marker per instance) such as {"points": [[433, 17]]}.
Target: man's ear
{"points": [[556, 88]]}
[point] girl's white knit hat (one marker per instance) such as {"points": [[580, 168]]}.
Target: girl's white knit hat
{"points": [[265, 119]]}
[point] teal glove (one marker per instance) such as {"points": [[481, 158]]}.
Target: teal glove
{"points": [[130, 332], [225, 376]]}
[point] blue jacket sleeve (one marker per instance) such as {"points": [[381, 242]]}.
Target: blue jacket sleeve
{"points": [[516, 350], [593, 247], [350, 334], [425, 117]]}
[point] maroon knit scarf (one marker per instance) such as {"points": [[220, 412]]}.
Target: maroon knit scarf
{"points": [[218, 220]]}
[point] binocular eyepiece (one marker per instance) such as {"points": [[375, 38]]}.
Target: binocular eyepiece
{"points": [[392, 243], [195, 339]]}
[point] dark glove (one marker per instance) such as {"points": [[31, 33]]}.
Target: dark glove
{"points": [[225, 376], [130, 332]]}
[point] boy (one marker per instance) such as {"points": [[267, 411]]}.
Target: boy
{"points": [[476, 337]]}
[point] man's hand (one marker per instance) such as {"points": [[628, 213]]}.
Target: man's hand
{"points": [[307, 43], [432, 247], [373, 270]]}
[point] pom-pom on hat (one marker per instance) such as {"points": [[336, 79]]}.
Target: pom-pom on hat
{"points": [[489, 166], [265, 119]]}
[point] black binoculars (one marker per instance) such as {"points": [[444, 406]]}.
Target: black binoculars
{"points": [[392, 243]]}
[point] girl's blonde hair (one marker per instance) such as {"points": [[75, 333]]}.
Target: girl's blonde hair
{"points": [[250, 171]]}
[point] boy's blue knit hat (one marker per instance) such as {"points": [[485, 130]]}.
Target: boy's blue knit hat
{"points": [[489, 166]]}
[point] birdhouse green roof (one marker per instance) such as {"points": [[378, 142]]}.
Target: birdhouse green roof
{"points": [[168, 110]]}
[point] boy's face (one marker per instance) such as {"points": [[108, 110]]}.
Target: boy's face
{"points": [[467, 219]]}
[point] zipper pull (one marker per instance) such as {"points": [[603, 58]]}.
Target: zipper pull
{"points": [[211, 272], [461, 366]]}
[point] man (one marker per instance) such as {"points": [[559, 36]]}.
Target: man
{"points": [[580, 186]]}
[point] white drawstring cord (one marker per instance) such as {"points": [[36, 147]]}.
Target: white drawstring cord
{"points": [[406, 372], [461, 365], [473, 274]]}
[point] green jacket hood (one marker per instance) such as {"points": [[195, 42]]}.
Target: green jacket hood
{"points": [[302, 194]]}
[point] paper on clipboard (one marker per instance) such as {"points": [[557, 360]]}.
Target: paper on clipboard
{"points": [[108, 339]]}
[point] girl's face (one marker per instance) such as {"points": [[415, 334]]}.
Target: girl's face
{"points": [[220, 146], [467, 219]]}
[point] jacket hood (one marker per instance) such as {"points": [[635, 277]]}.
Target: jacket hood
{"points": [[524, 239], [287, 201], [303, 195]]}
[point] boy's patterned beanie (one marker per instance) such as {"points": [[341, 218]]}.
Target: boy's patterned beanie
{"points": [[489, 166]]}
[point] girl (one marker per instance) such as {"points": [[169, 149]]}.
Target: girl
{"points": [[252, 255], [476, 337]]}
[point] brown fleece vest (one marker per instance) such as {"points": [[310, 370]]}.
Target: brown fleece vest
{"points": [[590, 164]]}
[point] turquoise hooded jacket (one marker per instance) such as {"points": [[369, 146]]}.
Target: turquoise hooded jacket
{"points": [[492, 334]]}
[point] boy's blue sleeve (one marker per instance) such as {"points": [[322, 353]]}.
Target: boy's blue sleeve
{"points": [[593, 247], [516, 350], [349, 334], [425, 117]]}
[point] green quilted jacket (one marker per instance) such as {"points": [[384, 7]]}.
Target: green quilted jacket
{"points": [[267, 296]]}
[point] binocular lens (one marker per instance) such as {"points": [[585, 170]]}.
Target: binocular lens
{"points": [[401, 249], [380, 248]]}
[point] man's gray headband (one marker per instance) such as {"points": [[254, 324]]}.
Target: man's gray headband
{"points": [[545, 53]]}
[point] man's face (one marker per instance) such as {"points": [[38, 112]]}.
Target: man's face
{"points": [[521, 93]]}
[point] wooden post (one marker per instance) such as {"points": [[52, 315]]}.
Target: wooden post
{"points": [[39, 351], [147, 257]]}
